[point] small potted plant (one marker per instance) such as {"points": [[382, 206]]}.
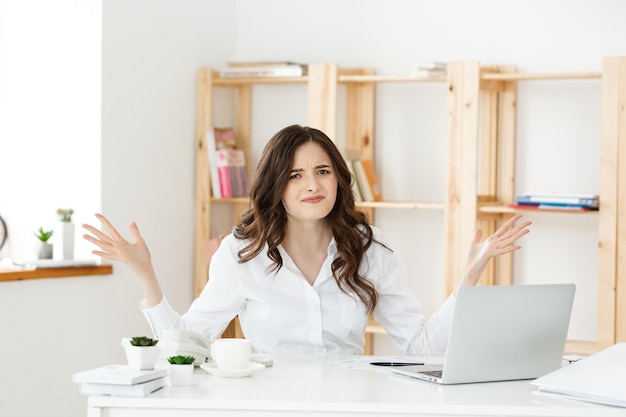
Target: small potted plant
{"points": [[65, 215], [45, 248], [181, 369], [141, 352]]}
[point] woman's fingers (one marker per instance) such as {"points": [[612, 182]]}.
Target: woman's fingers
{"points": [[112, 244], [113, 233]]}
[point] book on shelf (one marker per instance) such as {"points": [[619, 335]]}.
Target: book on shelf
{"points": [[263, 71], [231, 171], [428, 73], [277, 63], [590, 201], [118, 375], [349, 156], [555, 207], [432, 65], [136, 390], [430, 69], [238, 173], [218, 138], [367, 180]]}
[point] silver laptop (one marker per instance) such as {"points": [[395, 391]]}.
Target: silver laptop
{"points": [[502, 333]]}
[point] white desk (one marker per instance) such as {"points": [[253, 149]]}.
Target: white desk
{"points": [[318, 387]]}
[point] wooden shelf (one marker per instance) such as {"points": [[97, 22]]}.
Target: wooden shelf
{"points": [[13, 275], [511, 210], [219, 81], [541, 76], [387, 79], [401, 205], [420, 205]]}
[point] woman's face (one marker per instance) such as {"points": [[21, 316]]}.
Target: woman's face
{"points": [[311, 190]]}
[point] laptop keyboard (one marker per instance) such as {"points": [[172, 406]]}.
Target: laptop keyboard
{"points": [[436, 374]]}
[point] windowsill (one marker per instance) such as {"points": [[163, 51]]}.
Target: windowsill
{"points": [[17, 275]]}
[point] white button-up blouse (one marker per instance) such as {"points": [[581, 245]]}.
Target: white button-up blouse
{"points": [[280, 312]]}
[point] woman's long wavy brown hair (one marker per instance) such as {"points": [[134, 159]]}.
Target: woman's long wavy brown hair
{"points": [[265, 222]]}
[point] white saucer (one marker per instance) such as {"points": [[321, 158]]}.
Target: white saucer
{"points": [[211, 367]]}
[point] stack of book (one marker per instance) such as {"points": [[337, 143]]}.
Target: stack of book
{"points": [[255, 69], [430, 69], [120, 380], [556, 201], [366, 186], [229, 177]]}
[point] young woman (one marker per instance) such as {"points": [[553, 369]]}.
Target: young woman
{"points": [[304, 268]]}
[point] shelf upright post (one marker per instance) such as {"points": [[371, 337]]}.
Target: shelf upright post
{"points": [[612, 219], [497, 162], [461, 187], [322, 98], [360, 125], [203, 181]]}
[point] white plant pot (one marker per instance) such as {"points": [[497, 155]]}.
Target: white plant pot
{"points": [[44, 250], [142, 357], [64, 240], [181, 374]]}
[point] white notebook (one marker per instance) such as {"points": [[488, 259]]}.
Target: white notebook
{"points": [[137, 390], [118, 375], [599, 378]]}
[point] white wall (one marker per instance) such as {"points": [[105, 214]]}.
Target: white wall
{"points": [[151, 50], [559, 123], [142, 169]]}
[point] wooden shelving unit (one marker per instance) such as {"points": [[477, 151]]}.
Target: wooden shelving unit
{"points": [[322, 82], [481, 127], [486, 99]]}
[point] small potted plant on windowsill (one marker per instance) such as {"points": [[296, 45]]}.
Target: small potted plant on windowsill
{"points": [[141, 352], [181, 369], [45, 249]]}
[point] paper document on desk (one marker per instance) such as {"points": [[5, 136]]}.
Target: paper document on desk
{"points": [[599, 378]]}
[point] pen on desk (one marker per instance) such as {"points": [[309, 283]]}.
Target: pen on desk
{"points": [[395, 363]]}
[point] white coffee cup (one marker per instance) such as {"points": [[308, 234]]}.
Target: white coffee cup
{"points": [[231, 353]]}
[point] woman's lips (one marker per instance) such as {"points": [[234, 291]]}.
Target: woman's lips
{"points": [[315, 199]]}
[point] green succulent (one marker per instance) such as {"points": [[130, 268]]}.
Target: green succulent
{"points": [[44, 235], [143, 341], [181, 360]]}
